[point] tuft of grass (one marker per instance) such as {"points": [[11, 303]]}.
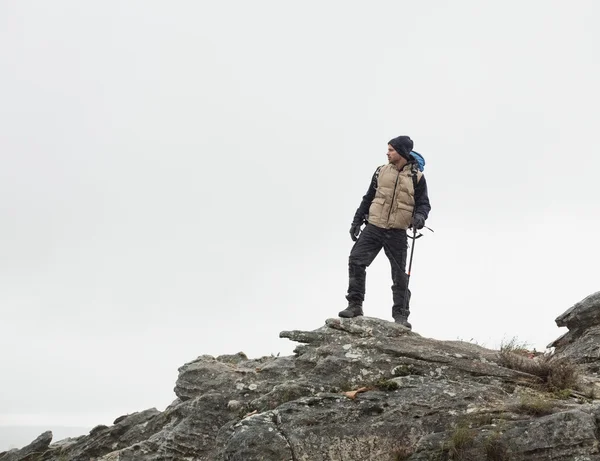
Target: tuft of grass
{"points": [[514, 345], [515, 355], [555, 374], [461, 440], [495, 449], [535, 406]]}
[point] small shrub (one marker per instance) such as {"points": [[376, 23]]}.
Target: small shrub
{"points": [[535, 406], [562, 374]]}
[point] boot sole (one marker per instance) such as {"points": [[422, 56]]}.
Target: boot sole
{"points": [[345, 316]]}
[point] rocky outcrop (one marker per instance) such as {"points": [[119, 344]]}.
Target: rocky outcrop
{"points": [[355, 390], [581, 344], [31, 451]]}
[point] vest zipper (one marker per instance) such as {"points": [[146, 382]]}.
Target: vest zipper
{"points": [[393, 197]]}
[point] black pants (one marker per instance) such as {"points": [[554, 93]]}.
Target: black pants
{"points": [[370, 242]]}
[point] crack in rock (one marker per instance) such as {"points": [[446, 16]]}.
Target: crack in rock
{"points": [[277, 422]]}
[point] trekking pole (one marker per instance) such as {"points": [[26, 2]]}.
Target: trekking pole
{"points": [[412, 249]]}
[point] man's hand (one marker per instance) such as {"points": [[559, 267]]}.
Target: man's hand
{"points": [[418, 222], [355, 231]]}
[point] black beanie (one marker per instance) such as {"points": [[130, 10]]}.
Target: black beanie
{"points": [[403, 145]]}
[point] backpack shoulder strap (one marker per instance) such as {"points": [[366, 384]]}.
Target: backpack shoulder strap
{"points": [[376, 175], [414, 172]]}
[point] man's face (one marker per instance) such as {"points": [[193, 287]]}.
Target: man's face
{"points": [[395, 158]]}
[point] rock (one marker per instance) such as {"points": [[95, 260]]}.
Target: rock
{"points": [[35, 450], [96, 430], [584, 314], [568, 435], [257, 437], [206, 374], [233, 358], [360, 389], [581, 344], [102, 440]]}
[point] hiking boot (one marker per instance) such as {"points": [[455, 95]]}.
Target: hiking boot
{"points": [[353, 310], [403, 321]]}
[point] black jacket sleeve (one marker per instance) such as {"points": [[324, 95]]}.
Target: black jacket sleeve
{"points": [[422, 205], [363, 210]]}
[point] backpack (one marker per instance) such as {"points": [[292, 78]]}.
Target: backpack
{"points": [[419, 163], [420, 160]]}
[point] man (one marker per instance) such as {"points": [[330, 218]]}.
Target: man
{"points": [[396, 200]]}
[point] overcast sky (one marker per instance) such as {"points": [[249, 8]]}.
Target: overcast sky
{"points": [[179, 178]]}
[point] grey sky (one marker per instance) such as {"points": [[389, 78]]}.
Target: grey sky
{"points": [[178, 179]]}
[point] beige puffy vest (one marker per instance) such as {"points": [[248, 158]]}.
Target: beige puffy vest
{"points": [[394, 200]]}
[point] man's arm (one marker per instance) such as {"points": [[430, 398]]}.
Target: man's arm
{"points": [[422, 206], [363, 209]]}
